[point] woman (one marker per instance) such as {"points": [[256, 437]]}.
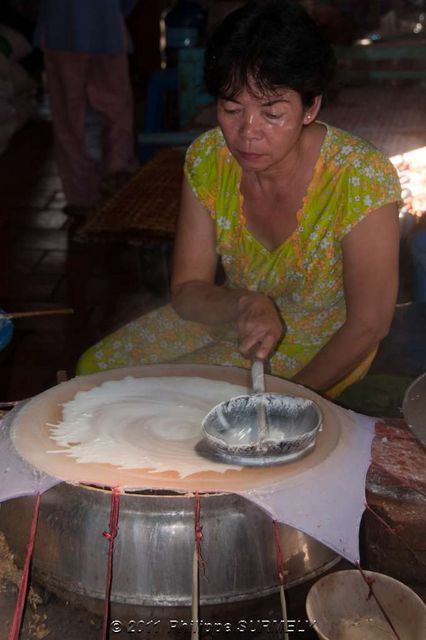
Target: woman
{"points": [[303, 215]]}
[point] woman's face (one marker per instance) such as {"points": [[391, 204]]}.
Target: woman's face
{"points": [[262, 132]]}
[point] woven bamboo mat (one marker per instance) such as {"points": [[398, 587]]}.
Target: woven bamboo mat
{"points": [[149, 202]]}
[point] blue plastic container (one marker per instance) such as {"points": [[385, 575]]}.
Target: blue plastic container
{"points": [[6, 331], [418, 249], [185, 25]]}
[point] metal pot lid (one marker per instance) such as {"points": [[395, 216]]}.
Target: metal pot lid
{"points": [[414, 408]]}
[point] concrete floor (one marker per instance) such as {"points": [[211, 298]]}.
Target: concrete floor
{"points": [[45, 264]]}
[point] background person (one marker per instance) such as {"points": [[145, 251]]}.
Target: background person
{"points": [[85, 45]]}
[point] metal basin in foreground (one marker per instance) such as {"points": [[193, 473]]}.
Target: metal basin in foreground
{"points": [[154, 547]]}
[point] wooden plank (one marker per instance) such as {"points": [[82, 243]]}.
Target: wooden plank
{"points": [[382, 74], [380, 52]]}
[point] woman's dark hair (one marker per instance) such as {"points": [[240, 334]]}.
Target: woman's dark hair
{"points": [[266, 45]]}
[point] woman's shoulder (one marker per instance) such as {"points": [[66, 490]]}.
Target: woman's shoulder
{"points": [[366, 179], [205, 163], [358, 163], [206, 144], [348, 149]]}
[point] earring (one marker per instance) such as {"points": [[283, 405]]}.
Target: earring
{"points": [[309, 116]]}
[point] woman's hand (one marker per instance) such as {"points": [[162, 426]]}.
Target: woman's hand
{"points": [[195, 296], [258, 323]]}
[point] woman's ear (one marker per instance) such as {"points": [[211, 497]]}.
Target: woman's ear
{"points": [[312, 111]]}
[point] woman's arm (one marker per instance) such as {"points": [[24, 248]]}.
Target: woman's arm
{"points": [[370, 274], [195, 296]]}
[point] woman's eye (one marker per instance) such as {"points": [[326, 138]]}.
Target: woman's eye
{"points": [[273, 116], [231, 111]]}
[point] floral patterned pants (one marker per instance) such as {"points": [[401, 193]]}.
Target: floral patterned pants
{"points": [[157, 337]]}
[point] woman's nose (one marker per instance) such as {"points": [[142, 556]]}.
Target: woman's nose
{"points": [[249, 127]]}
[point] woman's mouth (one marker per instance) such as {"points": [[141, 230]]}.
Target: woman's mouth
{"points": [[249, 156]]}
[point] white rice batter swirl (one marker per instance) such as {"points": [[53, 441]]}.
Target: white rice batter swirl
{"points": [[142, 423]]}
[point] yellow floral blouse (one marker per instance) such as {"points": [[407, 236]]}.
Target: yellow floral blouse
{"points": [[303, 275]]}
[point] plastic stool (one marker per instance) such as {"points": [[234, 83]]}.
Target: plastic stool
{"points": [[159, 83]]}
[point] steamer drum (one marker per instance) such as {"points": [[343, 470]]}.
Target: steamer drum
{"points": [[154, 548], [155, 543]]}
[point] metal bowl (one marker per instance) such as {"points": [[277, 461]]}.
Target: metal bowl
{"points": [[231, 429], [339, 606]]}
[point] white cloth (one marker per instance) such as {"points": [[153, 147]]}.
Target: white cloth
{"points": [[327, 502]]}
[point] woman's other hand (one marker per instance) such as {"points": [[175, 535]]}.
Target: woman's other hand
{"points": [[258, 323]]}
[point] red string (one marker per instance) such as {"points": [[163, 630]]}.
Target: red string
{"points": [[394, 532], [198, 530], [110, 536], [22, 594], [278, 552], [369, 582]]}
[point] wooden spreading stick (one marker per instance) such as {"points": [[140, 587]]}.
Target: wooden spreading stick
{"points": [[28, 314]]}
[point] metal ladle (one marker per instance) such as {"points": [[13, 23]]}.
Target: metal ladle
{"points": [[258, 384], [260, 429]]}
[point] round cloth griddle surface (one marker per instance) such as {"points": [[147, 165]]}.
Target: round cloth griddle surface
{"points": [[31, 434]]}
